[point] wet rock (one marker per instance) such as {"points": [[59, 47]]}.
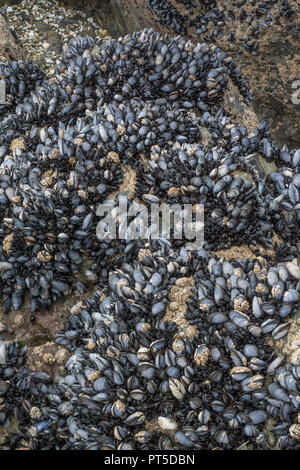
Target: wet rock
{"points": [[9, 48]]}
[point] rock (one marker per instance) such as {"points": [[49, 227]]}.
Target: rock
{"points": [[271, 73], [9, 48], [119, 17]]}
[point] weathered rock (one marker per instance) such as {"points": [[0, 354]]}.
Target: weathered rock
{"points": [[119, 17], [271, 73], [10, 49]]}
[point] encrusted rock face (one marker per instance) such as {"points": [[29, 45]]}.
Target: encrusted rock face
{"points": [[119, 17], [271, 73], [9, 48]]}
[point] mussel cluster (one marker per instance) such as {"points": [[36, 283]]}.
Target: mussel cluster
{"points": [[136, 380], [167, 14], [177, 348], [207, 18], [61, 144]]}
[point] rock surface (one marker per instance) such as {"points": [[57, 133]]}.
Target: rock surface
{"points": [[271, 73], [9, 48], [45, 26], [119, 17]]}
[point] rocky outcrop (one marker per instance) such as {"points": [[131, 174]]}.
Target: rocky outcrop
{"points": [[10, 49], [271, 73], [119, 17]]}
